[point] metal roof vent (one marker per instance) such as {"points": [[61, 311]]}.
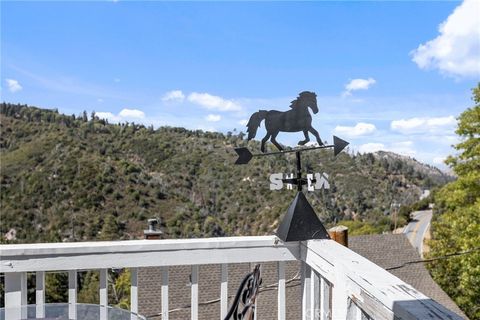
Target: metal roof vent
{"points": [[153, 233]]}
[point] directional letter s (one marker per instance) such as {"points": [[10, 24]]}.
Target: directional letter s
{"points": [[276, 181]]}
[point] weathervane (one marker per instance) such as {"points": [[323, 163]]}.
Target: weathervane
{"points": [[301, 222]]}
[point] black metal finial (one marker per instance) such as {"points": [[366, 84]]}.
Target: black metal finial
{"points": [[301, 222]]}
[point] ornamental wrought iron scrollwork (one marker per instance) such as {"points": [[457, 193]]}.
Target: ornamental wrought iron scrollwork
{"points": [[243, 306]]}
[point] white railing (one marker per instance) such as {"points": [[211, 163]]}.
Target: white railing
{"points": [[337, 283]]}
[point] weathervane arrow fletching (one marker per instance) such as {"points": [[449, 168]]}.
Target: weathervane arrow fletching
{"points": [[244, 155]]}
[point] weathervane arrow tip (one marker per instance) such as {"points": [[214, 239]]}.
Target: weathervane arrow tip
{"points": [[338, 145], [244, 155]]}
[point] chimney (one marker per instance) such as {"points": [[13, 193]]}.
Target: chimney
{"points": [[152, 233], [339, 234]]}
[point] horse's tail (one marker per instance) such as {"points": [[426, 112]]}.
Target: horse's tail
{"points": [[254, 123]]}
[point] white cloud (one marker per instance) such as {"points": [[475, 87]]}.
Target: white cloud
{"points": [[213, 118], [125, 114], [407, 125], [132, 113], [243, 122], [109, 116], [371, 147], [419, 125], [403, 147], [358, 84], [206, 128], [456, 50], [13, 85], [439, 160], [174, 95], [442, 121], [403, 144], [360, 129], [212, 102]]}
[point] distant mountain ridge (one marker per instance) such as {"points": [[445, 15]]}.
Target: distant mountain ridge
{"points": [[426, 169], [75, 178]]}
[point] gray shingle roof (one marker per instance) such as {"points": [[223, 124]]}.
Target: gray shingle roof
{"points": [[392, 250]]}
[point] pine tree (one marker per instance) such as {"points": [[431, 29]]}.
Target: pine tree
{"points": [[109, 229], [457, 229]]}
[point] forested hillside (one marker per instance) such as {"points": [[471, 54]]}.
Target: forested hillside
{"points": [[76, 178]]}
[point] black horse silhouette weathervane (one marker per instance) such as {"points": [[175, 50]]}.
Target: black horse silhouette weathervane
{"points": [[301, 222], [295, 120]]}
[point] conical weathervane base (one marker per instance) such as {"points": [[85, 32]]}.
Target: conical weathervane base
{"points": [[301, 222]]}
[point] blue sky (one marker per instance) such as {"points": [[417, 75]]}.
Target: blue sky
{"points": [[388, 75]]}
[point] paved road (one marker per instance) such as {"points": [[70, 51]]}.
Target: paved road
{"points": [[417, 228]]}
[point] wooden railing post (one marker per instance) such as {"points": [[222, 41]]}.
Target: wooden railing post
{"points": [[15, 295], [315, 296], [72, 294], [224, 291], [281, 290], [339, 296], [40, 294], [194, 300], [165, 308], [134, 293], [103, 294], [306, 282], [325, 299]]}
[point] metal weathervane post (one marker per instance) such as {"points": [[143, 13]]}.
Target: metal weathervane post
{"points": [[301, 222]]}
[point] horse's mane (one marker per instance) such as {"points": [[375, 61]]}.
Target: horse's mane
{"points": [[294, 103], [302, 95]]}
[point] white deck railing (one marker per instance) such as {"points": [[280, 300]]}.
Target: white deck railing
{"points": [[337, 283]]}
